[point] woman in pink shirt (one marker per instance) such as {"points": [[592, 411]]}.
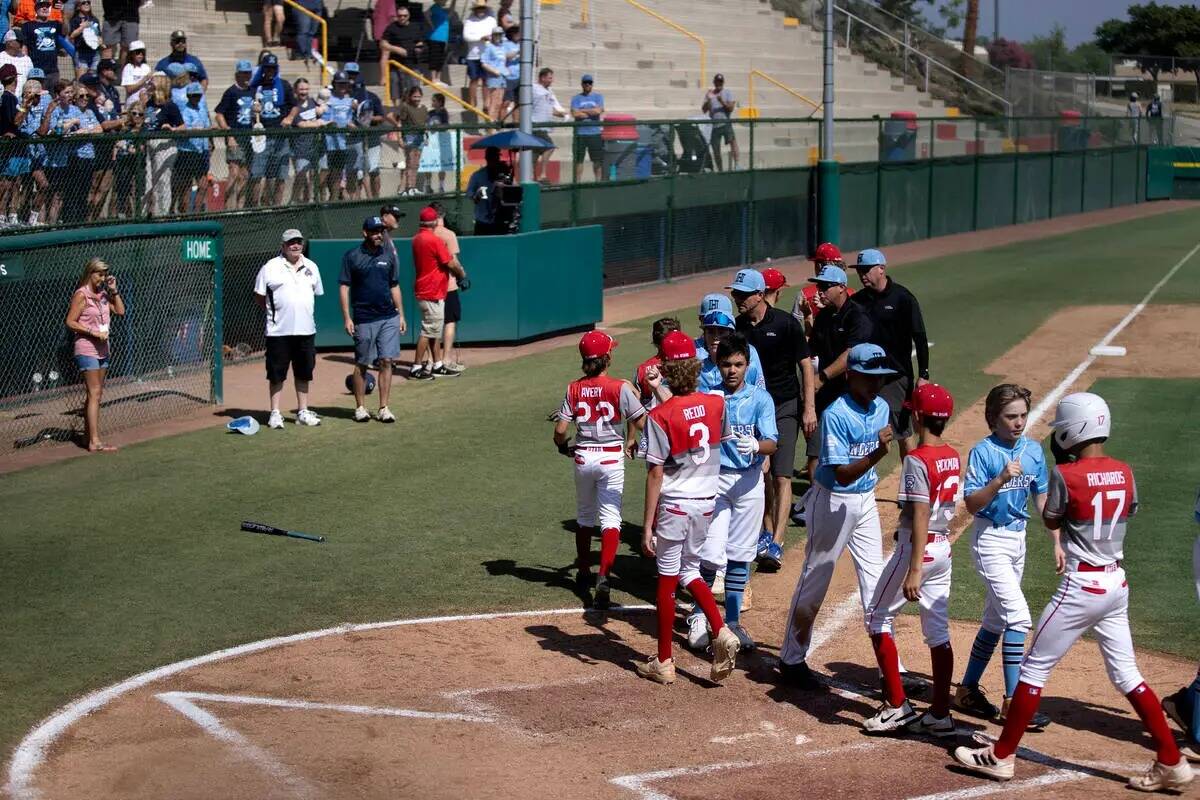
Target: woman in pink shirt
{"points": [[92, 305]]}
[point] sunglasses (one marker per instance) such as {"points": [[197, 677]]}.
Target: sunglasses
{"points": [[875, 363]]}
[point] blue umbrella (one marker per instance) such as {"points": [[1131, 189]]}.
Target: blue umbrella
{"points": [[512, 139]]}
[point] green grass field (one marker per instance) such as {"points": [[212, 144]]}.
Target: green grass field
{"points": [[110, 567]]}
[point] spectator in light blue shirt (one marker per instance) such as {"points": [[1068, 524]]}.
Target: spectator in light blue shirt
{"points": [[494, 63], [586, 109], [512, 69], [189, 180], [339, 111]]}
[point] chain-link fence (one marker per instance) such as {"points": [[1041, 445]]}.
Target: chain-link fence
{"points": [[165, 357], [1042, 93]]}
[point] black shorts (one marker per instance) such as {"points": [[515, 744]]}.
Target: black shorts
{"points": [[592, 146], [453, 307], [336, 159], [787, 420], [298, 351], [895, 393], [722, 132]]}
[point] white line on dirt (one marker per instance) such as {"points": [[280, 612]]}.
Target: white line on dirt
{"points": [[31, 752], [987, 789], [243, 747], [1049, 400], [305, 705]]}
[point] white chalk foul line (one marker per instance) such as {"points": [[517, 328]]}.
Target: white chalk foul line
{"points": [[987, 789], [31, 752], [305, 705], [1051, 399]]}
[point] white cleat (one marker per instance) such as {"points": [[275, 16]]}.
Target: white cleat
{"points": [[361, 414], [658, 671], [698, 636], [275, 421], [890, 719], [983, 760], [386, 415], [309, 418], [725, 647], [1159, 777], [929, 725]]}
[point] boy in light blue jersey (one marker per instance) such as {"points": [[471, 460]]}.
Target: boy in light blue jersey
{"points": [[717, 326], [1003, 472], [855, 434], [733, 530], [1184, 705]]}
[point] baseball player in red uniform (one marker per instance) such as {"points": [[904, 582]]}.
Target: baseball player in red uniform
{"points": [[658, 330], [919, 570], [1090, 499], [683, 449], [598, 404]]}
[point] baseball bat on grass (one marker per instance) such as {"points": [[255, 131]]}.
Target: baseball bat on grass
{"points": [[259, 527]]}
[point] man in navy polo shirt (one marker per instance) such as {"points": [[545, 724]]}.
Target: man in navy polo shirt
{"points": [[373, 312]]}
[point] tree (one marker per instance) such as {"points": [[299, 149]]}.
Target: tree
{"points": [[1007, 53], [970, 25], [1049, 52], [1152, 35], [910, 10]]}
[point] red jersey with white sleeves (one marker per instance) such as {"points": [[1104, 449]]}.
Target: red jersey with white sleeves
{"points": [[639, 380], [597, 406], [931, 474], [684, 435], [808, 297], [1094, 498]]}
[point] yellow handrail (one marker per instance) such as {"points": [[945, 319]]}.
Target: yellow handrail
{"points": [[324, 37], [788, 89], [387, 87], [583, 12], [676, 26]]}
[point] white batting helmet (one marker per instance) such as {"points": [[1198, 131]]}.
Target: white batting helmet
{"points": [[1081, 417]]}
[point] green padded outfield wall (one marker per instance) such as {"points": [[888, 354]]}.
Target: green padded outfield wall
{"points": [[522, 286], [953, 196]]}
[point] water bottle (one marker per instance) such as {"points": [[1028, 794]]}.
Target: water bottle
{"points": [[37, 382]]}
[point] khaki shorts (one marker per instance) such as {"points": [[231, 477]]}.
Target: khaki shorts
{"points": [[433, 317]]}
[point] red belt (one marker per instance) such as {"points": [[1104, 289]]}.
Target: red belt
{"points": [[930, 539], [1085, 567], [600, 448]]}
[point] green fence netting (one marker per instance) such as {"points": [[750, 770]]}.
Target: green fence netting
{"points": [[166, 352]]}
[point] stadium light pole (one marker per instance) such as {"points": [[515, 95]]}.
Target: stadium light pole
{"points": [[828, 199], [531, 202]]}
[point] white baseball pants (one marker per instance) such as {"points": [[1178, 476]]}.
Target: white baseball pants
{"points": [[599, 484], [935, 589], [999, 556], [737, 519], [1096, 601], [834, 521], [681, 526]]}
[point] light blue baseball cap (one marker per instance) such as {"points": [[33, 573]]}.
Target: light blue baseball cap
{"points": [[194, 88], [869, 359], [244, 425], [748, 280], [244, 65], [716, 301], [36, 73], [351, 67], [870, 258], [176, 69], [830, 274], [718, 319]]}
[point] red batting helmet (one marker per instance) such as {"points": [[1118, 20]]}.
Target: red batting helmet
{"points": [[595, 344], [931, 400], [677, 346], [828, 253], [774, 279]]}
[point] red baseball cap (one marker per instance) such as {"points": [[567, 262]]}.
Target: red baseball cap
{"points": [[677, 346], [774, 279], [428, 214], [595, 344], [931, 400], [828, 252]]}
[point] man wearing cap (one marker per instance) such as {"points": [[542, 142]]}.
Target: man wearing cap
{"points": [[122, 19], [373, 314], [191, 165], [43, 38], [391, 216], [481, 188], [286, 288], [14, 54], [838, 327], [809, 302], [780, 342], [586, 109], [269, 169], [106, 106], [368, 147], [235, 112], [453, 301], [26, 11], [339, 113], [179, 55], [433, 266], [719, 104], [403, 41], [899, 328], [775, 281], [855, 436]]}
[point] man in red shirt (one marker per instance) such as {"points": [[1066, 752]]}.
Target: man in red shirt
{"points": [[433, 265], [808, 301]]}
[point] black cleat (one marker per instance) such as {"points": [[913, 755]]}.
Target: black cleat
{"points": [[800, 676], [745, 643], [601, 602], [972, 701]]}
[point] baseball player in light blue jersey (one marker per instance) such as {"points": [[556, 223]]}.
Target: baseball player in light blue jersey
{"points": [[855, 434], [1184, 705], [733, 531], [717, 326], [1003, 472]]}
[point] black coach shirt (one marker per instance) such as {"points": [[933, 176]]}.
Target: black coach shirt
{"points": [[779, 339], [835, 330], [896, 325]]}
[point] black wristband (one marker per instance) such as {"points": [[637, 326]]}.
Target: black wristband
{"points": [[924, 375]]}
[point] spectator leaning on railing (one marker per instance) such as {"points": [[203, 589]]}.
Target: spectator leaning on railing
{"points": [[512, 74], [370, 113], [105, 103], [11, 162], [128, 154], [339, 112], [37, 100], [306, 155], [235, 112], [83, 157], [14, 53], [190, 180], [43, 38], [411, 117], [269, 169], [161, 115]]}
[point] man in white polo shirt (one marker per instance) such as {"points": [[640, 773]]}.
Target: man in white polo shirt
{"points": [[286, 287]]}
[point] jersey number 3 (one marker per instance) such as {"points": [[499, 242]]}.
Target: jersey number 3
{"points": [[698, 434]]}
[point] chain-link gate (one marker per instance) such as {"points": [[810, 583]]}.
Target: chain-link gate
{"points": [[165, 352]]}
